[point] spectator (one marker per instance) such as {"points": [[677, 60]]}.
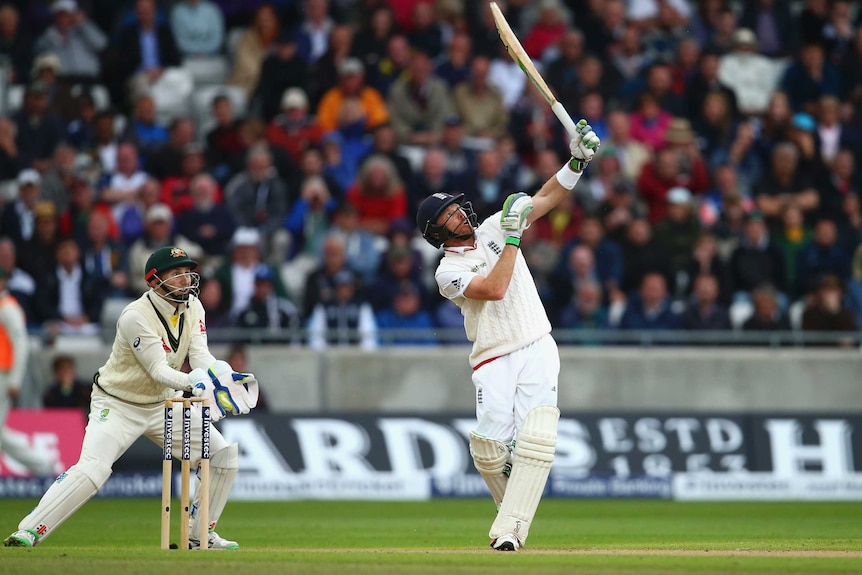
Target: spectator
{"points": [[131, 222], [773, 26], [176, 190], [579, 266], [432, 178], [824, 256], [649, 123], [373, 35], [105, 142], [223, 140], [324, 72], [650, 308], [849, 221], [148, 57], [268, 311], [642, 255], [319, 283], [20, 283], [480, 104], [69, 300], [102, 257], [10, 160], [57, 181], [405, 319], [808, 79], [252, 46], [15, 44], [351, 85], [833, 134], [791, 239], [207, 222], [679, 229], [158, 232], [756, 260], [585, 309], [73, 221], [144, 127], [784, 183], [344, 319], [705, 259], [17, 218], [562, 70], [489, 186], [67, 389], [282, 68], [378, 195], [361, 247], [237, 275], [705, 313], [827, 312], [294, 129], [345, 148], [75, 39], [309, 220], [258, 197], [392, 66], [198, 27], [399, 267], [633, 155], [767, 316], [419, 103], [38, 253], [669, 170], [533, 125], [122, 187], [166, 160], [424, 32], [460, 159], [314, 30], [751, 76], [37, 131], [217, 306], [455, 67], [705, 81]]}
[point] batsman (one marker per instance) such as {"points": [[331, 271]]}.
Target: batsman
{"points": [[514, 358], [155, 334]]}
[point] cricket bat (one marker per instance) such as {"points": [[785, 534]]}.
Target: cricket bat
{"points": [[517, 53]]}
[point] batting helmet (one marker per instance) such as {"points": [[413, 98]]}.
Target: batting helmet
{"points": [[431, 208], [166, 258]]}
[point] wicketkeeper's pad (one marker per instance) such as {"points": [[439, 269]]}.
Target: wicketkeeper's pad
{"points": [[534, 454]]}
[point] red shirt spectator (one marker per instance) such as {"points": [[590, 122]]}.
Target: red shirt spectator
{"points": [[378, 195]]}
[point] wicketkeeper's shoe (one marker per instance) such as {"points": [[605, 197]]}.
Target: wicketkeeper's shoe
{"points": [[216, 542], [21, 538], [508, 542]]}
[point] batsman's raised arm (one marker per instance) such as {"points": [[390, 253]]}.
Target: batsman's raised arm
{"points": [[583, 148]]}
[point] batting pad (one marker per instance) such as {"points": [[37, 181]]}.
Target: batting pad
{"points": [[534, 454], [66, 495], [224, 465], [490, 457]]}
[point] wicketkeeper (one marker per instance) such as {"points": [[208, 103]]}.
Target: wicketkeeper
{"points": [[155, 333], [514, 358]]}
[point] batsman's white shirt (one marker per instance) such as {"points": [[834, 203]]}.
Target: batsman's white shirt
{"points": [[496, 328]]}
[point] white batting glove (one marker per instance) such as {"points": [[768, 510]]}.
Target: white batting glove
{"points": [[513, 218], [230, 392], [583, 146], [198, 380]]}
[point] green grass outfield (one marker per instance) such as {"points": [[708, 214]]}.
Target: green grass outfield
{"points": [[571, 537]]}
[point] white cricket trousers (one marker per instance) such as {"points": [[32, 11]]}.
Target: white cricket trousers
{"points": [[508, 387]]}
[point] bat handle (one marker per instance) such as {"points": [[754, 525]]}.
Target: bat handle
{"points": [[566, 120]]}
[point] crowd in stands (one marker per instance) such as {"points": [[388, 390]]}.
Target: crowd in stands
{"points": [[286, 145]]}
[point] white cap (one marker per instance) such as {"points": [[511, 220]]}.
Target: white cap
{"points": [[745, 36], [350, 66], [246, 237], [29, 176], [159, 213], [294, 98], [678, 195], [45, 61], [64, 6]]}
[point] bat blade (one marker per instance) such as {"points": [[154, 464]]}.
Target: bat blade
{"points": [[520, 57]]}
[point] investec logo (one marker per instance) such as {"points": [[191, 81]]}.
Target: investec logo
{"points": [[187, 434], [831, 454]]}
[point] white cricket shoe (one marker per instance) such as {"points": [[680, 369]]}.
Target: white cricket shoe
{"points": [[21, 538], [507, 542], [215, 542]]}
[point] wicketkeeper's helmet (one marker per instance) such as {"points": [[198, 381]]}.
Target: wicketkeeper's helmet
{"points": [[431, 208]]}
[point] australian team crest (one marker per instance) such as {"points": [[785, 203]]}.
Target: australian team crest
{"points": [[178, 253]]}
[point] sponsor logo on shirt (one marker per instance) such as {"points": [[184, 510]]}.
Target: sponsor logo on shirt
{"points": [[203, 327], [136, 343], [165, 346]]}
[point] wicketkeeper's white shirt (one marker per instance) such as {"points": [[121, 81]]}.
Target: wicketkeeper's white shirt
{"points": [[495, 327]]}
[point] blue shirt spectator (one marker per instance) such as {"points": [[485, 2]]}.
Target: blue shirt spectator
{"points": [[650, 309]]}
